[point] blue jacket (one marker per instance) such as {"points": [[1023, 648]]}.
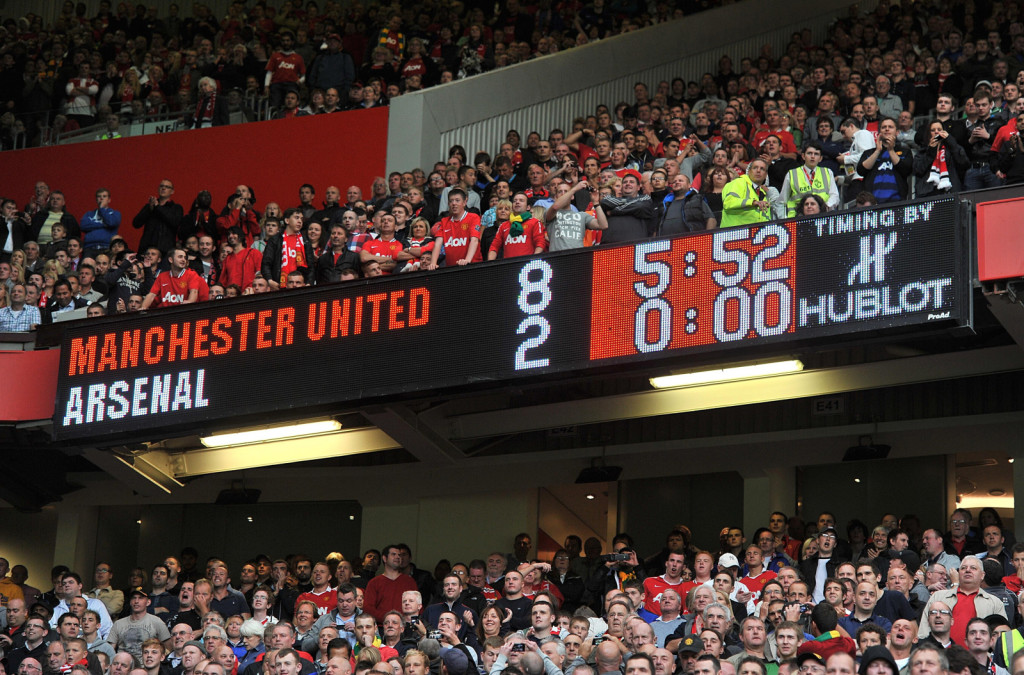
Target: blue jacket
{"points": [[98, 227], [333, 70]]}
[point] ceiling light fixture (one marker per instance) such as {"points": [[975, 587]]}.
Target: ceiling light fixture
{"points": [[264, 434], [739, 372]]}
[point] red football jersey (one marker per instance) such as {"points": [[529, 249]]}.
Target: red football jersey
{"points": [[174, 290], [526, 243], [325, 602], [456, 236], [385, 249], [653, 586]]}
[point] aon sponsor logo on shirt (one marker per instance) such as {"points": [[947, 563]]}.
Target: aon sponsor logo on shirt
{"points": [[172, 298], [521, 239], [457, 241]]}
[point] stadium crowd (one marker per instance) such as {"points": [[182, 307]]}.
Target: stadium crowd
{"points": [[872, 115], [793, 599], [129, 63]]}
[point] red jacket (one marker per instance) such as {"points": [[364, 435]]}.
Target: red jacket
{"points": [[248, 223], [241, 267]]}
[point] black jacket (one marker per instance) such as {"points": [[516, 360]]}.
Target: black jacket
{"points": [[809, 568], [221, 115], [957, 164], [66, 219], [16, 227], [159, 225], [328, 271], [271, 267], [572, 589], [199, 222]]}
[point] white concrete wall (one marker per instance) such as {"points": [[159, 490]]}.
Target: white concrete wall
{"points": [[549, 92]]}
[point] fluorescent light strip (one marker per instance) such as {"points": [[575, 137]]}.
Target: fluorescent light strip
{"points": [[727, 374], [270, 434]]}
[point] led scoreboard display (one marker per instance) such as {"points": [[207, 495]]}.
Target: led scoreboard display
{"points": [[729, 290]]}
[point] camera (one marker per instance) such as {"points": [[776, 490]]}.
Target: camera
{"points": [[434, 635], [519, 647], [598, 639], [414, 620], [617, 557]]}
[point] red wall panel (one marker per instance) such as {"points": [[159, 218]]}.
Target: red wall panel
{"points": [[1000, 239], [274, 157], [21, 404]]}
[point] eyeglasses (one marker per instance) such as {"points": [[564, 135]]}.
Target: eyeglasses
{"points": [[938, 612], [958, 522], [166, 187], [828, 536], [808, 668], [102, 569]]}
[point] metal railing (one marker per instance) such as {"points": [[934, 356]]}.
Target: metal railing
{"points": [[40, 132]]}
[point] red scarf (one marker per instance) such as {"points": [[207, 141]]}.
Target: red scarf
{"points": [[204, 111], [293, 255], [939, 173]]}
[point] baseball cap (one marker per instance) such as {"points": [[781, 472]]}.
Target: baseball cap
{"points": [[691, 644], [808, 655], [455, 661], [138, 591], [728, 560], [631, 172]]}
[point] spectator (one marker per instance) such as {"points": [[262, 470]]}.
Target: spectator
{"points": [[159, 219], [981, 134], [41, 229], [745, 200], [384, 592], [630, 217], [177, 286], [889, 104], [887, 168], [63, 301], [939, 165], [291, 107], [1011, 155], [100, 225], [13, 232], [333, 69], [239, 212], [19, 317], [566, 225], [338, 258], [811, 205], [81, 96], [521, 234], [285, 70], [984, 604], [211, 109], [458, 233], [809, 179], [290, 250], [243, 263], [685, 210], [129, 633], [386, 250], [200, 219]]}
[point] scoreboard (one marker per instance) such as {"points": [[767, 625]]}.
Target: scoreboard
{"points": [[721, 294]]}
